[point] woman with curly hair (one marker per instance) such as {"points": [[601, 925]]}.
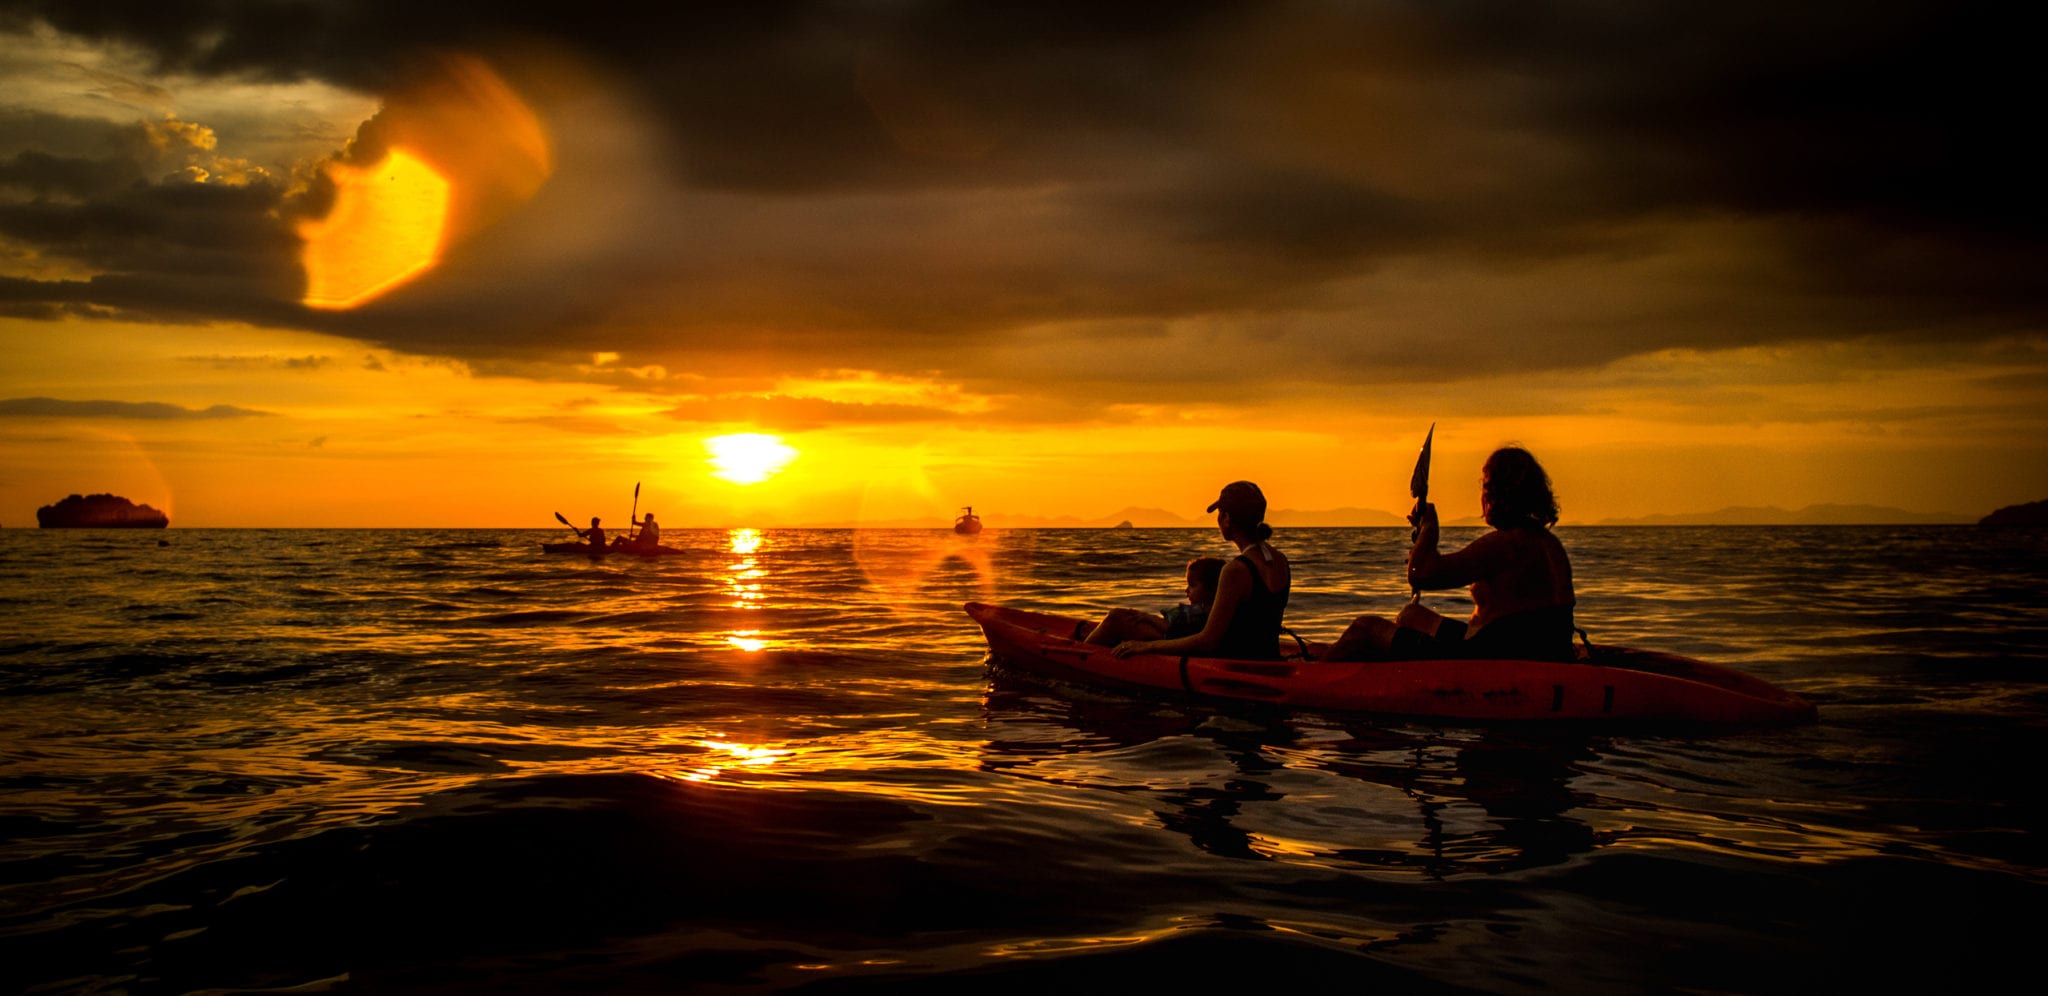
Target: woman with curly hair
{"points": [[1520, 577]]}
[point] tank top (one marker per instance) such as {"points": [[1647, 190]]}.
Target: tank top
{"points": [[1254, 632]]}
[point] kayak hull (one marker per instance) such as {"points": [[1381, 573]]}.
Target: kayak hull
{"points": [[1618, 684], [583, 549]]}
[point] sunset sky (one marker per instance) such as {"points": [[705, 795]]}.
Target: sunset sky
{"points": [[384, 263]]}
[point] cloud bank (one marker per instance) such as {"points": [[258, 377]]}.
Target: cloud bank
{"points": [[1167, 196]]}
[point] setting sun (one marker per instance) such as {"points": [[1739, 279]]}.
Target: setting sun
{"points": [[748, 457]]}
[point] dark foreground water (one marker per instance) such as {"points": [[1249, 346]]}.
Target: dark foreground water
{"points": [[366, 760]]}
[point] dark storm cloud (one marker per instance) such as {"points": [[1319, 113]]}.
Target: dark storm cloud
{"points": [[176, 227], [61, 135], [1898, 109], [761, 94], [43, 175], [124, 201], [1293, 217], [154, 410], [1771, 105], [1891, 136], [878, 178], [164, 298], [168, 251]]}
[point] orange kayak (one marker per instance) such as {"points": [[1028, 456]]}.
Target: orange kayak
{"points": [[1615, 684]]}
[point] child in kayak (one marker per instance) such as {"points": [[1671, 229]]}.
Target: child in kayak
{"points": [[1181, 620]]}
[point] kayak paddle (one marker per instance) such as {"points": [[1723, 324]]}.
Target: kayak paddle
{"points": [[1418, 488]]}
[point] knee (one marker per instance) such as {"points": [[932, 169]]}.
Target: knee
{"points": [[1365, 639], [1112, 628], [1416, 617], [1367, 628]]}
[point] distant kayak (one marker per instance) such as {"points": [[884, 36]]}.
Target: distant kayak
{"points": [[1617, 684], [584, 549]]}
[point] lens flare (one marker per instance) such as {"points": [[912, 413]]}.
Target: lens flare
{"points": [[446, 157], [385, 229], [913, 567]]}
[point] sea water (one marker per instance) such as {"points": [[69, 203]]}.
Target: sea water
{"points": [[445, 761]]}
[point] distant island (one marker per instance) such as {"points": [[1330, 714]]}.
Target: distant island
{"points": [[100, 512], [2033, 513]]}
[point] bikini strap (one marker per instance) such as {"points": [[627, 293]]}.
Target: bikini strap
{"points": [[1257, 578]]}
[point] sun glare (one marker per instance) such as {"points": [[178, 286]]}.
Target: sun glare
{"points": [[748, 457], [385, 228]]}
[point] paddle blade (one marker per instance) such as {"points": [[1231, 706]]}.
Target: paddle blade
{"points": [[1418, 482], [563, 521]]}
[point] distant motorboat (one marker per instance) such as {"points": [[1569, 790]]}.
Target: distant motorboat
{"points": [[968, 523]]}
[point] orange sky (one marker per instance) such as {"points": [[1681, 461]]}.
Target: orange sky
{"points": [[1048, 270]]}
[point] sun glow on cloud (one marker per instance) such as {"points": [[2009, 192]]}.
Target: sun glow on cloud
{"points": [[868, 387], [385, 229], [748, 457]]}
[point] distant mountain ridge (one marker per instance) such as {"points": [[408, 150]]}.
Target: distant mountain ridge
{"points": [[1811, 515], [1153, 518], [1346, 516], [1353, 517], [1159, 518]]}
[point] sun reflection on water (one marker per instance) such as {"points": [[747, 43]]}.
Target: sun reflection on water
{"points": [[743, 582], [735, 755], [745, 541]]}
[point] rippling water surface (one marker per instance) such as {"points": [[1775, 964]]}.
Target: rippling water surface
{"points": [[277, 759]]}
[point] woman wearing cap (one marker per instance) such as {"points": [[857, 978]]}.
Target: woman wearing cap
{"points": [[1521, 580], [1251, 595]]}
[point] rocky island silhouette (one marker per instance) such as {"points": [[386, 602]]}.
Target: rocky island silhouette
{"points": [[2034, 513], [100, 512]]}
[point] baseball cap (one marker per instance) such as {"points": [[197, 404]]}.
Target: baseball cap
{"points": [[1243, 500]]}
